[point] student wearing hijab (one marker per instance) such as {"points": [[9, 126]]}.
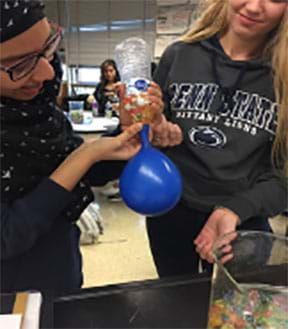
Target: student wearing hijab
{"points": [[225, 83], [46, 171]]}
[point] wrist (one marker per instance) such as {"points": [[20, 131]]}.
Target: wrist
{"points": [[228, 211], [85, 154]]}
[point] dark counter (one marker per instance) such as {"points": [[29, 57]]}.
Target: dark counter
{"points": [[163, 303]]}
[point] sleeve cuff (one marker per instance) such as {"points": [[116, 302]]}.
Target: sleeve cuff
{"points": [[241, 206]]}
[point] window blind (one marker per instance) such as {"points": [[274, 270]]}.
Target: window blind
{"points": [[94, 27]]}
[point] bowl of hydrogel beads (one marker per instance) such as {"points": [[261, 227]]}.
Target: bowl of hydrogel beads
{"points": [[249, 287]]}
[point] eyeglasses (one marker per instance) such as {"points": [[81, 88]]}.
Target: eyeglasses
{"points": [[24, 67]]}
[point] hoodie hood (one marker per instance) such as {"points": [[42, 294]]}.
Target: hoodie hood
{"points": [[212, 44]]}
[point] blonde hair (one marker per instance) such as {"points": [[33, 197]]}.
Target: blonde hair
{"points": [[214, 20]]}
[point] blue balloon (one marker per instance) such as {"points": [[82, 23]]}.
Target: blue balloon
{"points": [[150, 183]]}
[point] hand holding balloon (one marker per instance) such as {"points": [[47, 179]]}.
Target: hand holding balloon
{"points": [[150, 183]]}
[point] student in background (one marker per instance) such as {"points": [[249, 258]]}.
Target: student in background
{"points": [[106, 93]]}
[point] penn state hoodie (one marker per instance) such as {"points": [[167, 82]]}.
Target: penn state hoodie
{"points": [[228, 115]]}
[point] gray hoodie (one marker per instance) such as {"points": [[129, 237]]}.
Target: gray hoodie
{"points": [[228, 115]]}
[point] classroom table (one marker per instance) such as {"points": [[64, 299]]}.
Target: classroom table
{"points": [[178, 302]]}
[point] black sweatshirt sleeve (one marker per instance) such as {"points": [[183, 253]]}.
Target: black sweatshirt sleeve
{"points": [[268, 197], [26, 219]]}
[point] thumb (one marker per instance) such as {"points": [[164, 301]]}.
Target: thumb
{"points": [[128, 133], [160, 122]]}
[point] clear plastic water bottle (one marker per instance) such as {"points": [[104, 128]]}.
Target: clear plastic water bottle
{"points": [[133, 59], [94, 107]]}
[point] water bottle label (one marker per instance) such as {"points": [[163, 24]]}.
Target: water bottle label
{"points": [[136, 86], [137, 101]]}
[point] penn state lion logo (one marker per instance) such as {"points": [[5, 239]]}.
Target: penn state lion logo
{"points": [[207, 136]]}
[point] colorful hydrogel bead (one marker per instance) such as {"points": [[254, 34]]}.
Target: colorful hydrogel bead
{"points": [[255, 309], [138, 106]]}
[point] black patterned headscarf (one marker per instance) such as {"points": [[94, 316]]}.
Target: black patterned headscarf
{"points": [[18, 16], [35, 138]]}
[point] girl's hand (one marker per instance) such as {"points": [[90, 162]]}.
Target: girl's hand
{"points": [[76, 165], [156, 104], [221, 221], [166, 133], [163, 133], [121, 147]]}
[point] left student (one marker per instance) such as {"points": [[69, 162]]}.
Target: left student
{"points": [[46, 169]]}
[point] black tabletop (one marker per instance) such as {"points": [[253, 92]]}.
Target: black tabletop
{"points": [[162, 303]]}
